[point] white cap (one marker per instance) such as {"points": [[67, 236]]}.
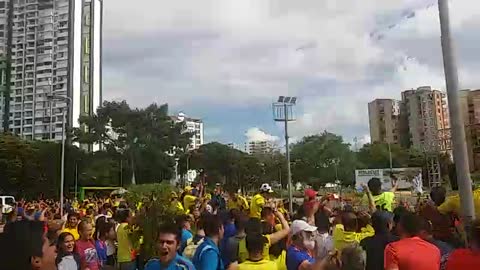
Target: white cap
{"points": [[266, 188], [301, 226]]}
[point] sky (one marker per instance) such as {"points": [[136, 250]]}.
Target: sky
{"points": [[226, 61]]}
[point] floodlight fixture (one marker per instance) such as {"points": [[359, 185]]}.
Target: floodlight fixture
{"points": [[287, 100], [293, 100], [281, 99]]}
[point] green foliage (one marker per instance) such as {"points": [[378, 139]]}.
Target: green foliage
{"points": [[20, 169], [316, 159], [155, 210], [376, 156], [139, 139]]}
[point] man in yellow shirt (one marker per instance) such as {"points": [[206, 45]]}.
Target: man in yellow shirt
{"points": [[189, 200], [175, 205], [256, 261], [346, 233], [452, 204], [71, 225], [237, 201], [383, 200], [259, 200]]}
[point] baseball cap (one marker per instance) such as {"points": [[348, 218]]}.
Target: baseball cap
{"points": [[310, 193], [301, 226], [266, 188]]}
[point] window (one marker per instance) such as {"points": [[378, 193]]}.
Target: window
{"points": [[87, 19], [86, 74], [87, 45], [85, 104]]}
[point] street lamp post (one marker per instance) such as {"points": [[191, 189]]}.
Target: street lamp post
{"points": [[283, 112], [457, 128], [65, 112]]}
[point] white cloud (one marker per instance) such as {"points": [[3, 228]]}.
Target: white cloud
{"points": [[244, 52], [255, 134]]}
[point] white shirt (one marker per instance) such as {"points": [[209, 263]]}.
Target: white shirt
{"points": [[67, 263]]}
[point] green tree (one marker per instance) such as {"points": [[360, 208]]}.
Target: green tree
{"points": [[222, 164], [20, 171], [318, 160], [140, 139], [377, 156]]}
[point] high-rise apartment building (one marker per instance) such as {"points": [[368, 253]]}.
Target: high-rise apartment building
{"points": [[193, 126], [470, 108], [55, 51], [384, 117], [425, 114], [259, 147]]}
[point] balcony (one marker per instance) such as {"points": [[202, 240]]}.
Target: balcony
{"points": [[44, 83], [44, 75]]}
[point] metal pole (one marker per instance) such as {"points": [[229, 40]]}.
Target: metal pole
{"points": [[287, 153], [62, 166], [76, 177], [336, 171], [458, 132]]}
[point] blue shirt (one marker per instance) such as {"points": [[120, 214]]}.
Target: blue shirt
{"points": [[207, 256], [230, 231], [295, 257], [178, 263], [101, 251], [186, 235]]}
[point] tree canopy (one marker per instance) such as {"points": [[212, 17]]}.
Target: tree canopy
{"points": [[320, 159]]}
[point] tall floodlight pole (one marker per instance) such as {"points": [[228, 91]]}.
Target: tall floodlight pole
{"points": [[458, 132], [283, 112], [65, 112]]}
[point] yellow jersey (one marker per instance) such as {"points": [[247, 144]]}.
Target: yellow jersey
{"points": [[383, 201], [240, 203], [73, 231], [258, 201], [189, 201], [243, 252], [341, 238], [124, 251], [177, 208], [258, 265], [452, 204]]}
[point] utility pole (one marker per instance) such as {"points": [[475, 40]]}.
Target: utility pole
{"points": [[458, 132], [62, 166], [280, 114], [289, 170]]}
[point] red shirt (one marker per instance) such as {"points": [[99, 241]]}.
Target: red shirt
{"points": [[463, 259], [412, 254], [88, 254]]}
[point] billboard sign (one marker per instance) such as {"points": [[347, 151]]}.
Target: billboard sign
{"points": [[407, 177]]}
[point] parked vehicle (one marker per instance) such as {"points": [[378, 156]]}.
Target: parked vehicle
{"points": [[7, 203]]}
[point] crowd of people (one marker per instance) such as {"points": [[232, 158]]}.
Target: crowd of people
{"points": [[226, 230]]}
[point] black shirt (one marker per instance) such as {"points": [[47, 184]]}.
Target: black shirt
{"points": [[374, 247]]}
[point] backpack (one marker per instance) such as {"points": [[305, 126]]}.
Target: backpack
{"points": [[191, 247]]}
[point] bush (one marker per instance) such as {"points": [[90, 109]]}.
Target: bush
{"points": [[154, 201]]}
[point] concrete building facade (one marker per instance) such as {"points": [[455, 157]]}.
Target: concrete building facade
{"points": [[194, 126], [384, 117], [56, 51], [425, 114], [470, 108], [259, 147]]}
